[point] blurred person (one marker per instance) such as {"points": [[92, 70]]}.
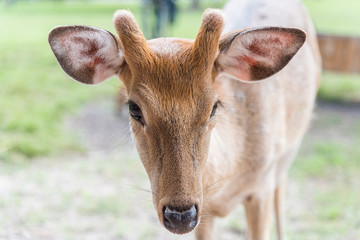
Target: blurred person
{"points": [[165, 13], [146, 8], [195, 4]]}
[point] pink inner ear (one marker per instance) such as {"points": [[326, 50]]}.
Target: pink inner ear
{"points": [[97, 60], [246, 59], [238, 66], [258, 54], [260, 47], [90, 47], [89, 55], [269, 44], [89, 50]]}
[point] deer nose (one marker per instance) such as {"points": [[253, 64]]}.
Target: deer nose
{"points": [[180, 221]]}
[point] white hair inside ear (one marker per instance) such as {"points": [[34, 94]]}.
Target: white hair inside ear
{"points": [[258, 53], [87, 54]]}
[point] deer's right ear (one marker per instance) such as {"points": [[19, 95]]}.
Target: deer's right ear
{"points": [[258, 53], [87, 54]]}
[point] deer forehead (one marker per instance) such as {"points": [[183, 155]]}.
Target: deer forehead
{"points": [[170, 82], [176, 101], [169, 46]]}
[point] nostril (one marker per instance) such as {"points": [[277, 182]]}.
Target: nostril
{"points": [[190, 214], [179, 220], [180, 215]]}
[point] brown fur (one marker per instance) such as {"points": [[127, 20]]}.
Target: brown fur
{"points": [[242, 153], [132, 41], [206, 43]]}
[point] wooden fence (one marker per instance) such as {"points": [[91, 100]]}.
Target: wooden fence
{"points": [[340, 53]]}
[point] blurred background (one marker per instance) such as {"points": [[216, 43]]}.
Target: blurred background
{"points": [[68, 168]]}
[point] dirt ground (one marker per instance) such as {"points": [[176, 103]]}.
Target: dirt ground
{"points": [[104, 193]]}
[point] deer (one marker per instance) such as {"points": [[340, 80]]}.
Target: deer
{"points": [[217, 121]]}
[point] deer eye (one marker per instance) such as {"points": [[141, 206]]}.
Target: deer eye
{"points": [[135, 112], [214, 109]]}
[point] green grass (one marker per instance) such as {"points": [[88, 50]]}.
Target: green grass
{"points": [[327, 158], [327, 170], [335, 17], [340, 87], [339, 18], [36, 95]]}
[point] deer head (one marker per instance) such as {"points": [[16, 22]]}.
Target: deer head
{"points": [[171, 94]]}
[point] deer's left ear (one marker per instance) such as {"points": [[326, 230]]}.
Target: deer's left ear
{"points": [[258, 53]]}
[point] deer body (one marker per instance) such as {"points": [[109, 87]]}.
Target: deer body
{"points": [[202, 158], [271, 116], [271, 120]]}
